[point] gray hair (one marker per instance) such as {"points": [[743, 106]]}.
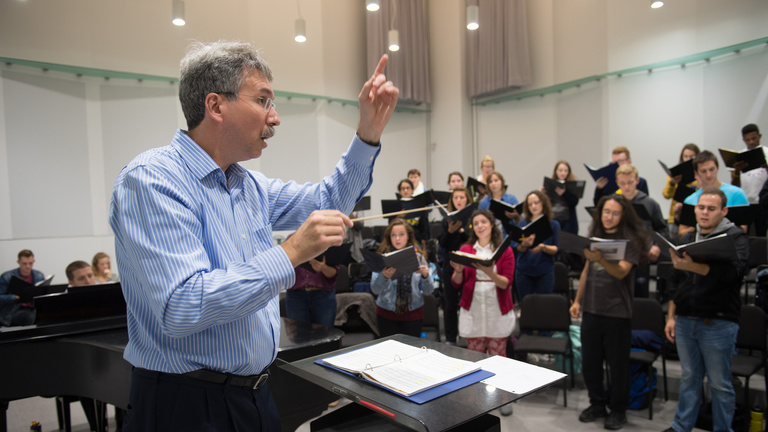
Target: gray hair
{"points": [[218, 67]]}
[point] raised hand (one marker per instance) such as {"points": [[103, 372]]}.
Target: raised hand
{"points": [[377, 99]]}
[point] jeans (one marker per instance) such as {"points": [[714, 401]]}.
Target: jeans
{"points": [[544, 284], [705, 346], [312, 306]]}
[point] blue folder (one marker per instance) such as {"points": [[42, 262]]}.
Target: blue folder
{"points": [[429, 394]]}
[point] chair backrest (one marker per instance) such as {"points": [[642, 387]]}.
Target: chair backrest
{"points": [[342, 280], [545, 312], [647, 315], [758, 254], [752, 326], [562, 282]]}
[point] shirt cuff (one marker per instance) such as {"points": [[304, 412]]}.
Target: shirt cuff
{"points": [[361, 152]]}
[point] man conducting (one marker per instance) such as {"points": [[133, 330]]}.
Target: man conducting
{"points": [[703, 317], [193, 239]]}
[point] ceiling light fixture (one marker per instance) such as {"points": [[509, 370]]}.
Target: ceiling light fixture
{"points": [[178, 13], [473, 17], [394, 40], [372, 5], [299, 27], [655, 4]]}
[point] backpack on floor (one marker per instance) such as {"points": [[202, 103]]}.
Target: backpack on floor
{"points": [[639, 396]]}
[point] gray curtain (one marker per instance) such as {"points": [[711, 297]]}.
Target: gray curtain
{"points": [[497, 52], [408, 68]]}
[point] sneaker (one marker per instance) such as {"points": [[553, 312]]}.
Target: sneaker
{"points": [[506, 410], [593, 413], [616, 420], [533, 358]]}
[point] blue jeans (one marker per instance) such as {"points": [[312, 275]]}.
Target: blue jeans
{"points": [[544, 284], [313, 306], [705, 348]]}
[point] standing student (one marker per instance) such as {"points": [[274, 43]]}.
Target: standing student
{"points": [[627, 178], [312, 298], [453, 235], [455, 179], [688, 152], [564, 203], [604, 298], [193, 230], [400, 301], [703, 316], [752, 181], [487, 166], [486, 317], [497, 189], [619, 155], [705, 168], [414, 176], [535, 271], [420, 224]]}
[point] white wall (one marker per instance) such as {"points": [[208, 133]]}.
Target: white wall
{"points": [[63, 139]]}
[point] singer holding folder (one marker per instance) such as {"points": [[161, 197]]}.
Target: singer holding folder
{"points": [[535, 271], [400, 301], [604, 299], [486, 317]]}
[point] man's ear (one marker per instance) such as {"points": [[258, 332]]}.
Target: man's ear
{"points": [[214, 106]]}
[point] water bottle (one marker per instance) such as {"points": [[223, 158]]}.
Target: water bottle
{"points": [[756, 420], [35, 427]]}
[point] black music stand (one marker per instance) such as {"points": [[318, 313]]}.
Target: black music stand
{"points": [[464, 409]]}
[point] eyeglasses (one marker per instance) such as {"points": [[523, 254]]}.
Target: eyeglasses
{"points": [[264, 102], [615, 214]]}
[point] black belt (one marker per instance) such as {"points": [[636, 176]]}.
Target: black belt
{"points": [[252, 381]]}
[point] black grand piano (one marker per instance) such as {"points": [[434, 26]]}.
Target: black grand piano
{"points": [[76, 348]]}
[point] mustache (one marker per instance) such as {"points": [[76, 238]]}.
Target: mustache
{"points": [[269, 133]]}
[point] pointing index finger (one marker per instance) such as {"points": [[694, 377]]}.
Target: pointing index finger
{"points": [[382, 64]]}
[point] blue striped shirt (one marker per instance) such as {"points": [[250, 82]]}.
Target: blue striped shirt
{"points": [[194, 249]]}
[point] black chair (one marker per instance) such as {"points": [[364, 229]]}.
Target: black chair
{"points": [[758, 255], [647, 315], [751, 337], [342, 280], [562, 280], [549, 313]]}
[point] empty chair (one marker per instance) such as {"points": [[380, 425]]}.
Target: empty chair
{"points": [[751, 337], [562, 280], [647, 315], [547, 312]]}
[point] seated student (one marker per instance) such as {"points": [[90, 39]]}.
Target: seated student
{"points": [[627, 178], [705, 167], [619, 155], [79, 273], [689, 152], [102, 269], [414, 176], [420, 224], [13, 313], [455, 180]]}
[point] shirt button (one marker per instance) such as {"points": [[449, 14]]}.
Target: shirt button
{"points": [[243, 236]]}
